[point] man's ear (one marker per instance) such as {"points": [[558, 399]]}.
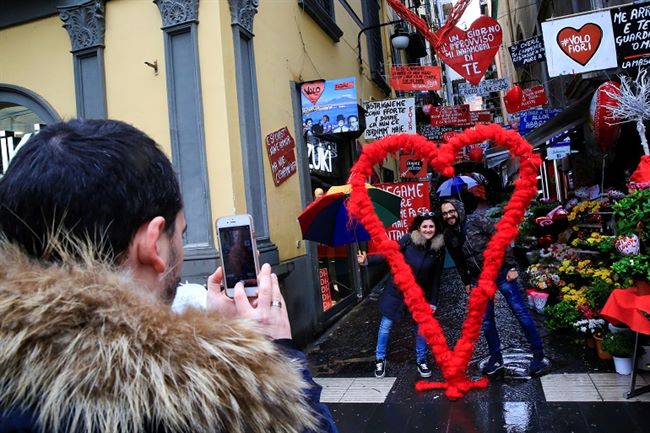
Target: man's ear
{"points": [[144, 246]]}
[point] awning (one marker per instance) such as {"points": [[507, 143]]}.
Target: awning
{"points": [[574, 115]]}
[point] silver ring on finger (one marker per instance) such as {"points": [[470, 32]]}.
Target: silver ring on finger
{"points": [[276, 303]]}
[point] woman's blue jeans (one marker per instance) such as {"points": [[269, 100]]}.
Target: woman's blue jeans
{"points": [[384, 335], [512, 293]]}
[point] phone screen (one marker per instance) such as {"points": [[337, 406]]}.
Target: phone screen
{"points": [[238, 255]]}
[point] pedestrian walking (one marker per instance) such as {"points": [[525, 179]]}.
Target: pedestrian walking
{"points": [[466, 239], [423, 249]]}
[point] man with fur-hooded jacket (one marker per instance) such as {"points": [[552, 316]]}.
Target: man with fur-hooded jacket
{"points": [[466, 239], [423, 250], [91, 220]]}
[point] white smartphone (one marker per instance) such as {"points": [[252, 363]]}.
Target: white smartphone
{"points": [[238, 253]]}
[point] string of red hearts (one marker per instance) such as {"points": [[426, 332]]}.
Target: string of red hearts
{"points": [[453, 363]]}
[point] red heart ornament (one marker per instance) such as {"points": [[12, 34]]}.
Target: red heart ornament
{"points": [[580, 45], [313, 90], [471, 52], [453, 363]]}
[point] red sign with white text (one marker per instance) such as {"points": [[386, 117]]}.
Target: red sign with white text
{"points": [[532, 97], [471, 52], [411, 166], [325, 291], [414, 78], [279, 145], [480, 116], [415, 200], [456, 115]]}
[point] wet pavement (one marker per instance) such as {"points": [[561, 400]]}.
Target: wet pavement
{"points": [[514, 403]]}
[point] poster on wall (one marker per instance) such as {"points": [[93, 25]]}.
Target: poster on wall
{"points": [[390, 116], [414, 78], [279, 146], [631, 25], [580, 43], [526, 52], [329, 107], [322, 157], [454, 115]]}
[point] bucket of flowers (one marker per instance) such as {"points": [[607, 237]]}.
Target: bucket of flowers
{"points": [[589, 328]]}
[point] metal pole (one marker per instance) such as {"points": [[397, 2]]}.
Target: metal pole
{"points": [[365, 29]]}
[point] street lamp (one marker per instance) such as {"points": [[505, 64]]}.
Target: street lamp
{"points": [[399, 39]]}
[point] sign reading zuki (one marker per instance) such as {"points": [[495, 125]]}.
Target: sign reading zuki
{"points": [[526, 52], [390, 116], [280, 145], [414, 78], [484, 88]]}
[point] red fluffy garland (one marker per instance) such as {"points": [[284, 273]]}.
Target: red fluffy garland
{"points": [[454, 363]]}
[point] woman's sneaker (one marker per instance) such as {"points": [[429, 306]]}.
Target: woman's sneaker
{"points": [[380, 368], [424, 369], [494, 365]]}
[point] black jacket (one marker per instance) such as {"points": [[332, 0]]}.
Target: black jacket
{"points": [[427, 265]]}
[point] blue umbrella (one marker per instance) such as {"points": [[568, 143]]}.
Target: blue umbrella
{"points": [[455, 185]]}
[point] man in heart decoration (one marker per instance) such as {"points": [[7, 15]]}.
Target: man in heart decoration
{"points": [[454, 362]]}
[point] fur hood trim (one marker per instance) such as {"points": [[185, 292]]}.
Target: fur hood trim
{"points": [[82, 347], [437, 242]]}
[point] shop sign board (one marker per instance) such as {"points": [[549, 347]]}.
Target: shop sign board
{"points": [[471, 52], [484, 88], [631, 25], [455, 115], [533, 119], [390, 116], [558, 151], [579, 44], [279, 146], [480, 116], [415, 201], [415, 78], [528, 51], [435, 133], [322, 156], [329, 107], [325, 291], [412, 167], [532, 97]]}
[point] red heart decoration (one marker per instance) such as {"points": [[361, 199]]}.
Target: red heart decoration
{"points": [[312, 90], [580, 45], [471, 52], [453, 363], [513, 98], [475, 154]]}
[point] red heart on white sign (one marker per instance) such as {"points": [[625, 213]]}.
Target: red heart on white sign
{"points": [[580, 45], [313, 90], [471, 52]]}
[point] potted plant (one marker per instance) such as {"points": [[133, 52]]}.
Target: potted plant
{"points": [[589, 328], [621, 346]]}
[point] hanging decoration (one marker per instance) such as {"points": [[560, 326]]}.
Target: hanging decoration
{"points": [[605, 129], [453, 363], [470, 52], [513, 98], [632, 103], [475, 154]]}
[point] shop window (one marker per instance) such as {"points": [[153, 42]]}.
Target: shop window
{"points": [[17, 123], [375, 46], [322, 11]]}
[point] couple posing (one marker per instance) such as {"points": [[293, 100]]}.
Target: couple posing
{"points": [[466, 240]]}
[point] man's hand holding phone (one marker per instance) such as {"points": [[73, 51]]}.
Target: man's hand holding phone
{"points": [[268, 309]]}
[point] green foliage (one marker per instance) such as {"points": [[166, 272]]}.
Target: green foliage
{"points": [[597, 293], [632, 210], [561, 316], [528, 227], [620, 344], [635, 266]]}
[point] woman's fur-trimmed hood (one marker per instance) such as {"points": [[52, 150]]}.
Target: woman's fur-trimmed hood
{"points": [[82, 348], [437, 242]]}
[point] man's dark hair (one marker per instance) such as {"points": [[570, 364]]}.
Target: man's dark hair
{"points": [[86, 180]]}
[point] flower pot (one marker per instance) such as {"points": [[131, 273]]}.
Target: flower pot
{"points": [[642, 287], [599, 349], [623, 365], [591, 343]]}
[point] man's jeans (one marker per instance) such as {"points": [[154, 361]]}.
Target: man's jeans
{"points": [[512, 293], [383, 337]]}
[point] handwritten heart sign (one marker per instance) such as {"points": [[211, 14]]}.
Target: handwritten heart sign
{"points": [[471, 52], [453, 363], [313, 90], [414, 166], [580, 45]]}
